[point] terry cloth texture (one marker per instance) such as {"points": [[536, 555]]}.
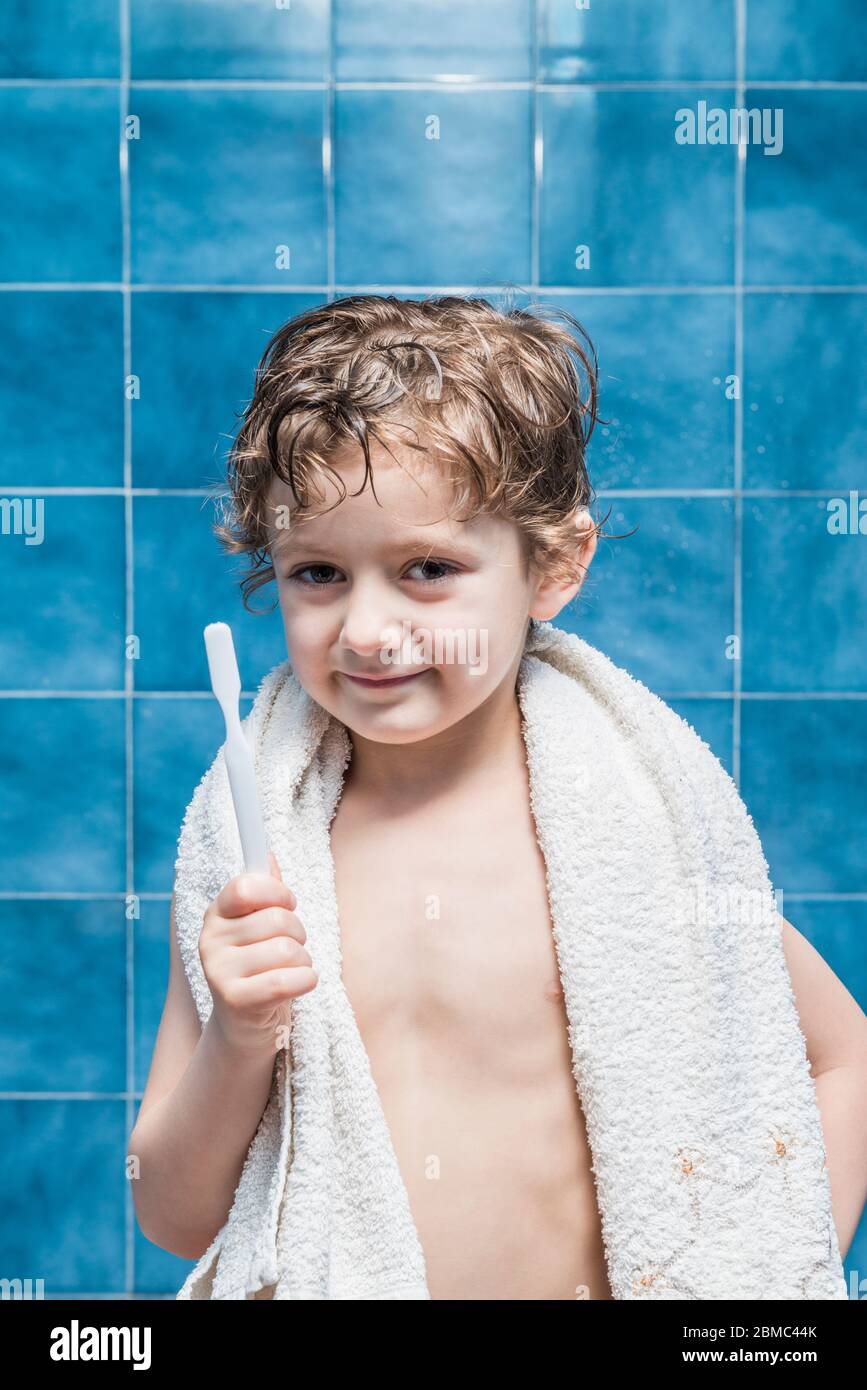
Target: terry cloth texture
{"points": [[688, 1057]]}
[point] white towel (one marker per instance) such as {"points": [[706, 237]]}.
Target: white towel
{"points": [[688, 1057]]}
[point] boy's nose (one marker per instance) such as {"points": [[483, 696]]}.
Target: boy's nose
{"points": [[368, 626]]}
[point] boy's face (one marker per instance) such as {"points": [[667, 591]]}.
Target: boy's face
{"points": [[372, 591]]}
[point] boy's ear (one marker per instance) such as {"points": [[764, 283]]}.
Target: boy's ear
{"points": [[551, 594]]}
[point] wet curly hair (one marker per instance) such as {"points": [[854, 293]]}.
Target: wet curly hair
{"points": [[505, 397]]}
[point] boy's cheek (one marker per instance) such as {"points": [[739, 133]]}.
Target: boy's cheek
{"points": [[305, 640]]}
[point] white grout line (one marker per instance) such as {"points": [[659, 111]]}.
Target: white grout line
{"points": [[375, 287], [129, 675], [75, 1297], [763, 695], [83, 896], [538, 154], [115, 695], [113, 491], [740, 179], [24, 489], [718, 492], [64, 1095], [467, 84], [329, 147], [209, 695], [826, 897]]}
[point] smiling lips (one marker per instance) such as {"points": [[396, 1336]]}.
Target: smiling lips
{"points": [[370, 682]]}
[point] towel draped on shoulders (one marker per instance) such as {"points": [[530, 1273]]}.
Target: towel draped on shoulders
{"points": [[688, 1057]]}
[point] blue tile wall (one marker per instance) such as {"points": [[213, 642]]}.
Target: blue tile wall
{"points": [[608, 156], [623, 42], [678, 568], [61, 39], [669, 424], [395, 42], [224, 41], [75, 341], [828, 247], [175, 333], [796, 436], [59, 184], [414, 209], [178, 178], [787, 41], [215, 192]]}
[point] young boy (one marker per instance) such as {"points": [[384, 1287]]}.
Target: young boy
{"points": [[420, 467]]}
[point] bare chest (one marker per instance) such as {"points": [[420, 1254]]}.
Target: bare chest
{"points": [[450, 966]]}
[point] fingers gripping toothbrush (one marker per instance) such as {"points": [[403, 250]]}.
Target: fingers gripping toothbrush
{"points": [[226, 683]]}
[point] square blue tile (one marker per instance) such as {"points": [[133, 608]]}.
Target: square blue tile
{"points": [[627, 40], [63, 976], [443, 40], [196, 356], [76, 338], [60, 184], [803, 772], [797, 438], [61, 38], [200, 39], [183, 581], [220, 180], [175, 743], [62, 1193], [64, 625], [663, 363], [805, 598], [409, 209], [806, 207], [791, 42], [62, 814], [651, 211], [659, 602], [712, 721]]}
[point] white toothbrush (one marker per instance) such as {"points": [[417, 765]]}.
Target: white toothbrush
{"points": [[226, 682]]}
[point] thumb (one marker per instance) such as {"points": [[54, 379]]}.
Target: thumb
{"points": [[275, 867]]}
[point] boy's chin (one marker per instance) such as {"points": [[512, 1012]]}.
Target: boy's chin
{"points": [[392, 725], [403, 726], [393, 738], [400, 721]]}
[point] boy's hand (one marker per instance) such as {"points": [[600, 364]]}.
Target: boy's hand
{"points": [[252, 951]]}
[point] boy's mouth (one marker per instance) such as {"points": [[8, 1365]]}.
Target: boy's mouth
{"points": [[375, 681]]}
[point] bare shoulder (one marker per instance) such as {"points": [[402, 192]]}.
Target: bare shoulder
{"points": [[833, 1023]]}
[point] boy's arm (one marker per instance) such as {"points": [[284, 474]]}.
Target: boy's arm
{"points": [[835, 1029], [199, 1112]]}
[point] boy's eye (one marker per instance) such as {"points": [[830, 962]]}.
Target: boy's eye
{"points": [[443, 565], [309, 569], [320, 582]]}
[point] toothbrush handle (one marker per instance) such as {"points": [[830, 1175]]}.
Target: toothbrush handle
{"points": [[242, 780]]}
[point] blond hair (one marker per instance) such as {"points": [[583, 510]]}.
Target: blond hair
{"points": [[506, 398]]}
